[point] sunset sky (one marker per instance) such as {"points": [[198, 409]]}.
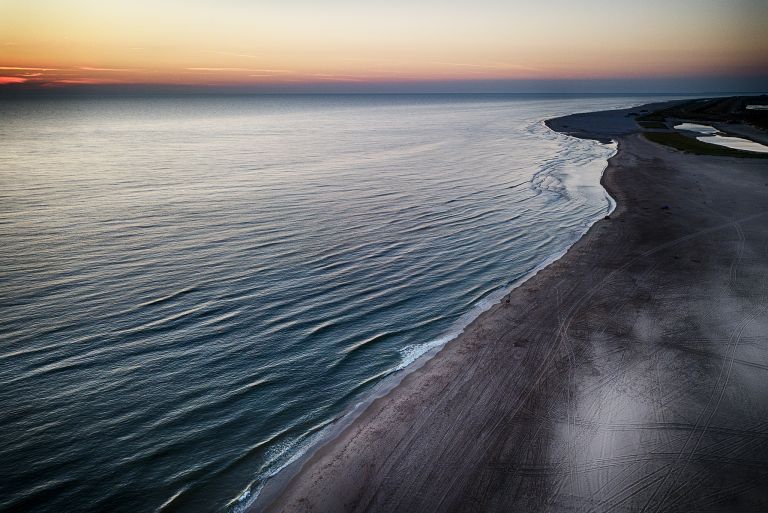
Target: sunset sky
{"points": [[283, 44]]}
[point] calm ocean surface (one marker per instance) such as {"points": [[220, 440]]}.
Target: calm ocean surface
{"points": [[192, 289]]}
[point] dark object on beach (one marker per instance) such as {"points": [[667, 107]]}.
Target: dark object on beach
{"points": [[607, 217], [665, 207]]}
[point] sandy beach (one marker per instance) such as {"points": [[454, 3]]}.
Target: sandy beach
{"points": [[630, 375]]}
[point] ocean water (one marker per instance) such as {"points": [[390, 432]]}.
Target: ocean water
{"points": [[193, 289]]}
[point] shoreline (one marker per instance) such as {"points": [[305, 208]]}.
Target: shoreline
{"points": [[346, 474], [275, 484]]}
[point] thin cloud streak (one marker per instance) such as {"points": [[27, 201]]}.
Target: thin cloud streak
{"points": [[83, 81], [233, 54], [501, 66], [21, 68], [12, 80], [255, 70], [89, 68]]}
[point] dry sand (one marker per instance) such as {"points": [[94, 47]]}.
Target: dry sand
{"points": [[630, 375]]}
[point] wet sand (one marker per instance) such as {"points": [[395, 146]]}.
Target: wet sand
{"points": [[630, 375]]}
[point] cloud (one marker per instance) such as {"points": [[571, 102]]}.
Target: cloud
{"points": [[256, 70], [495, 66], [335, 78], [12, 80], [89, 68], [83, 81], [17, 68], [247, 56]]}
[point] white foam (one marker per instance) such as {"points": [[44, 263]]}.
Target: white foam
{"points": [[276, 461], [413, 352]]}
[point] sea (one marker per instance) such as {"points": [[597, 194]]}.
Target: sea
{"points": [[196, 289]]}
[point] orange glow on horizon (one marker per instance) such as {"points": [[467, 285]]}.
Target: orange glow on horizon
{"points": [[12, 80], [200, 42]]}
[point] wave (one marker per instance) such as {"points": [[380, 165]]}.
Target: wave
{"points": [[413, 356], [261, 290]]}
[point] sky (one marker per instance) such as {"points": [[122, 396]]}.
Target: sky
{"points": [[386, 45]]}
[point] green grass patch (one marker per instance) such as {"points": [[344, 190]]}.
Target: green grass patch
{"points": [[690, 145]]}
